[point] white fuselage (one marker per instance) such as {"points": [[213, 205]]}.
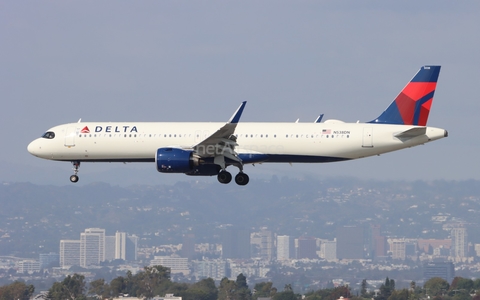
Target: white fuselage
{"points": [[276, 142]]}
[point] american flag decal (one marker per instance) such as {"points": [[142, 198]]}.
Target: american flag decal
{"points": [[326, 131]]}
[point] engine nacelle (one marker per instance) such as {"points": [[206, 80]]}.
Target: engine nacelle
{"points": [[175, 160]]}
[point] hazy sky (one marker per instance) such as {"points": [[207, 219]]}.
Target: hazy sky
{"points": [[197, 60]]}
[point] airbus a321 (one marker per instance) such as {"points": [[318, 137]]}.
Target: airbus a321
{"points": [[208, 149]]}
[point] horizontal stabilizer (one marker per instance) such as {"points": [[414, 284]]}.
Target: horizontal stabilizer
{"points": [[411, 133]]}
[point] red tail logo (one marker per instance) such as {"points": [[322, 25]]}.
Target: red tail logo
{"points": [[85, 130]]}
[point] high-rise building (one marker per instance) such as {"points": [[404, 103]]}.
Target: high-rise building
{"points": [[236, 243], [92, 247], [120, 245], [285, 247], [69, 253], [378, 242], [459, 242], [307, 247], [329, 250], [131, 248], [350, 242], [110, 247], [444, 270], [397, 247], [188, 246], [266, 246], [125, 246]]}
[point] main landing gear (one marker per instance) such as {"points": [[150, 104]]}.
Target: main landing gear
{"points": [[74, 177], [225, 177]]}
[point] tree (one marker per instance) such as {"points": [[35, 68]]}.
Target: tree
{"points": [[340, 291], [205, 289], [99, 288], [16, 290], [242, 291], [436, 286], [118, 286], [263, 290], [227, 288], [400, 295], [152, 281], [285, 295], [363, 290], [386, 289], [71, 288], [460, 283]]}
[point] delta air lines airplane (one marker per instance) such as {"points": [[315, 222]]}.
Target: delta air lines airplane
{"points": [[208, 149]]}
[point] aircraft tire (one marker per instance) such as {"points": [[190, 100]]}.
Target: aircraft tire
{"points": [[74, 178], [242, 179], [224, 177]]}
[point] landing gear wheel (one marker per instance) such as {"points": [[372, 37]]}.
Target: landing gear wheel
{"points": [[224, 177], [74, 178], [241, 179]]}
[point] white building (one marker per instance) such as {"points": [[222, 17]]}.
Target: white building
{"points": [[125, 246], [266, 246], [176, 264], [28, 266], [92, 247], [285, 247], [216, 269], [69, 253], [397, 247], [459, 242], [329, 249]]}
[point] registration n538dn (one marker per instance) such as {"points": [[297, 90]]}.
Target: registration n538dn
{"points": [[213, 149]]}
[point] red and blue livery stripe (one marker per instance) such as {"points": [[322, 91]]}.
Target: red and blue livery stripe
{"points": [[412, 105]]}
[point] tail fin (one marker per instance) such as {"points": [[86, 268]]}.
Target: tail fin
{"points": [[412, 105]]}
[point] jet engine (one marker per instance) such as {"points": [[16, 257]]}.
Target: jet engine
{"points": [[175, 160]]}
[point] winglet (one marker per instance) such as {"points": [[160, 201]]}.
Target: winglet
{"points": [[412, 105], [236, 116], [319, 119]]}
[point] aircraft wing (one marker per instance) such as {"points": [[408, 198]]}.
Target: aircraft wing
{"points": [[221, 144]]}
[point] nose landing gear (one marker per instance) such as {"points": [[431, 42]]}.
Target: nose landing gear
{"points": [[74, 177]]}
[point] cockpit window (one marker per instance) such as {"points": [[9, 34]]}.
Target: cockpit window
{"points": [[48, 135]]}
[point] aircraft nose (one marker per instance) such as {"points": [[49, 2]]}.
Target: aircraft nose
{"points": [[34, 147]]}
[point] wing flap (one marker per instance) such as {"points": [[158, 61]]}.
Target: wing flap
{"points": [[221, 144]]}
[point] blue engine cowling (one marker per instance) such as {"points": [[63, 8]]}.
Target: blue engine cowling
{"points": [[175, 160]]}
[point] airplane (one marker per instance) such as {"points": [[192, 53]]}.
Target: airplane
{"points": [[207, 149]]}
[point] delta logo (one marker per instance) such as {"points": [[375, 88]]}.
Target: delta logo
{"points": [[85, 130]]}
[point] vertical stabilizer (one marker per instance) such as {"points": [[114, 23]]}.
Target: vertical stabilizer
{"points": [[412, 105]]}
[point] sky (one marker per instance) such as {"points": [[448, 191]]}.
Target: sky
{"points": [[197, 60]]}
